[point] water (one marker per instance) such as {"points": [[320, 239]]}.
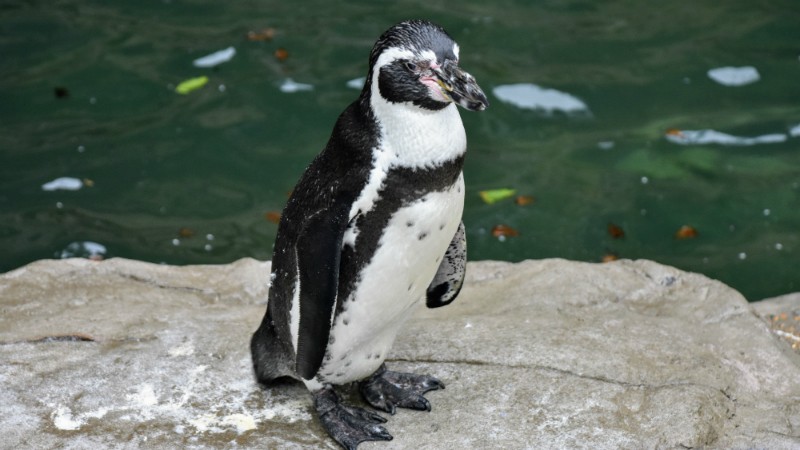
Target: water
{"points": [[189, 178]]}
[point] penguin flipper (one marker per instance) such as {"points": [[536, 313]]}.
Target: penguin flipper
{"points": [[450, 276], [318, 247]]}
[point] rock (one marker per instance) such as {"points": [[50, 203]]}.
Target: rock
{"points": [[540, 354], [783, 315]]}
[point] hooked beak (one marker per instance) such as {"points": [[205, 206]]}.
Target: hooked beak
{"points": [[461, 87]]}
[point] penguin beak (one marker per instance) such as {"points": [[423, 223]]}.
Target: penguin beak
{"points": [[460, 87]]}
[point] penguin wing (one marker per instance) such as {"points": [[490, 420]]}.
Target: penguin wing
{"points": [[450, 276], [319, 247]]}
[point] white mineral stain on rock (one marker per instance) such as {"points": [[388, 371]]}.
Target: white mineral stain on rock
{"points": [[242, 422], [144, 396], [185, 349], [63, 420]]}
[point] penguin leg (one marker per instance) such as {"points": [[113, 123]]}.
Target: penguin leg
{"points": [[385, 390], [348, 425]]}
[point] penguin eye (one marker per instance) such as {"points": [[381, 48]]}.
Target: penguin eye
{"points": [[411, 66]]}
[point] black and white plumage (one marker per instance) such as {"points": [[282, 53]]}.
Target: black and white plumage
{"points": [[372, 229]]}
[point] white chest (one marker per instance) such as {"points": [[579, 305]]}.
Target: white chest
{"points": [[392, 284]]}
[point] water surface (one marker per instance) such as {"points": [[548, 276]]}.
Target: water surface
{"points": [[87, 91]]}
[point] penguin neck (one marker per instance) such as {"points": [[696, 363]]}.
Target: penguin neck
{"points": [[415, 137]]}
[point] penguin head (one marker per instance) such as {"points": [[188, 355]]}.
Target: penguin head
{"points": [[416, 62]]}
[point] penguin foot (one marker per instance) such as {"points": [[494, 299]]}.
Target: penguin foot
{"points": [[386, 390], [348, 425]]}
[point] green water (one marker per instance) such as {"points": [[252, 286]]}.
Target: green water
{"points": [[215, 160]]}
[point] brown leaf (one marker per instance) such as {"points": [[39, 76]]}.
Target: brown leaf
{"points": [[615, 231], [686, 232], [265, 34], [185, 232], [504, 230], [273, 216], [281, 54], [524, 200], [608, 257]]}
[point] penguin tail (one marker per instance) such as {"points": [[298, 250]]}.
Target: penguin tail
{"points": [[271, 361]]}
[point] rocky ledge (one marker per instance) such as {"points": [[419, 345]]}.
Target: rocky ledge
{"points": [[540, 354]]}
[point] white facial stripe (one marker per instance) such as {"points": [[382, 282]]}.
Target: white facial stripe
{"points": [[428, 55], [389, 56], [456, 50]]}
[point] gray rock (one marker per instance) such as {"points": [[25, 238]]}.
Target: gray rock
{"points": [[540, 354]]}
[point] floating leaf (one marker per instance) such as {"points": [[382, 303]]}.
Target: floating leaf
{"points": [[608, 257], [692, 137], [281, 54], [265, 34], [191, 84], [185, 232], [501, 230], [686, 232], [615, 231], [524, 200], [495, 195], [216, 58], [63, 183], [290, 86], [734, 76], [273, 216], [88, 182]]}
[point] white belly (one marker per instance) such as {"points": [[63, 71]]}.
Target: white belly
{"points": [[392, 284]]}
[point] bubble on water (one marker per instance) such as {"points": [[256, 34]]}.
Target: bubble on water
{"points": [[742, 256], [176, 242], [645, 180], [767, 212], [778, 246], [208, 247]]}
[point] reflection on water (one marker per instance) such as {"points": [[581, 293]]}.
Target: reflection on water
{"points": [[88, 93]]}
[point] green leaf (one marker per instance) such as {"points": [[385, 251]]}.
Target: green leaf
{"points": [[191, 84], [495, 195]]}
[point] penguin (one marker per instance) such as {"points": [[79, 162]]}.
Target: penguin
{"points": [[372, 231]]}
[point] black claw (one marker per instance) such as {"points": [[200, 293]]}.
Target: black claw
{"points": [[385, 390], [348, 425]]}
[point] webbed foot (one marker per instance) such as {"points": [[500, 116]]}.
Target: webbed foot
{"points": [[386, 390], [348, 425]]}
